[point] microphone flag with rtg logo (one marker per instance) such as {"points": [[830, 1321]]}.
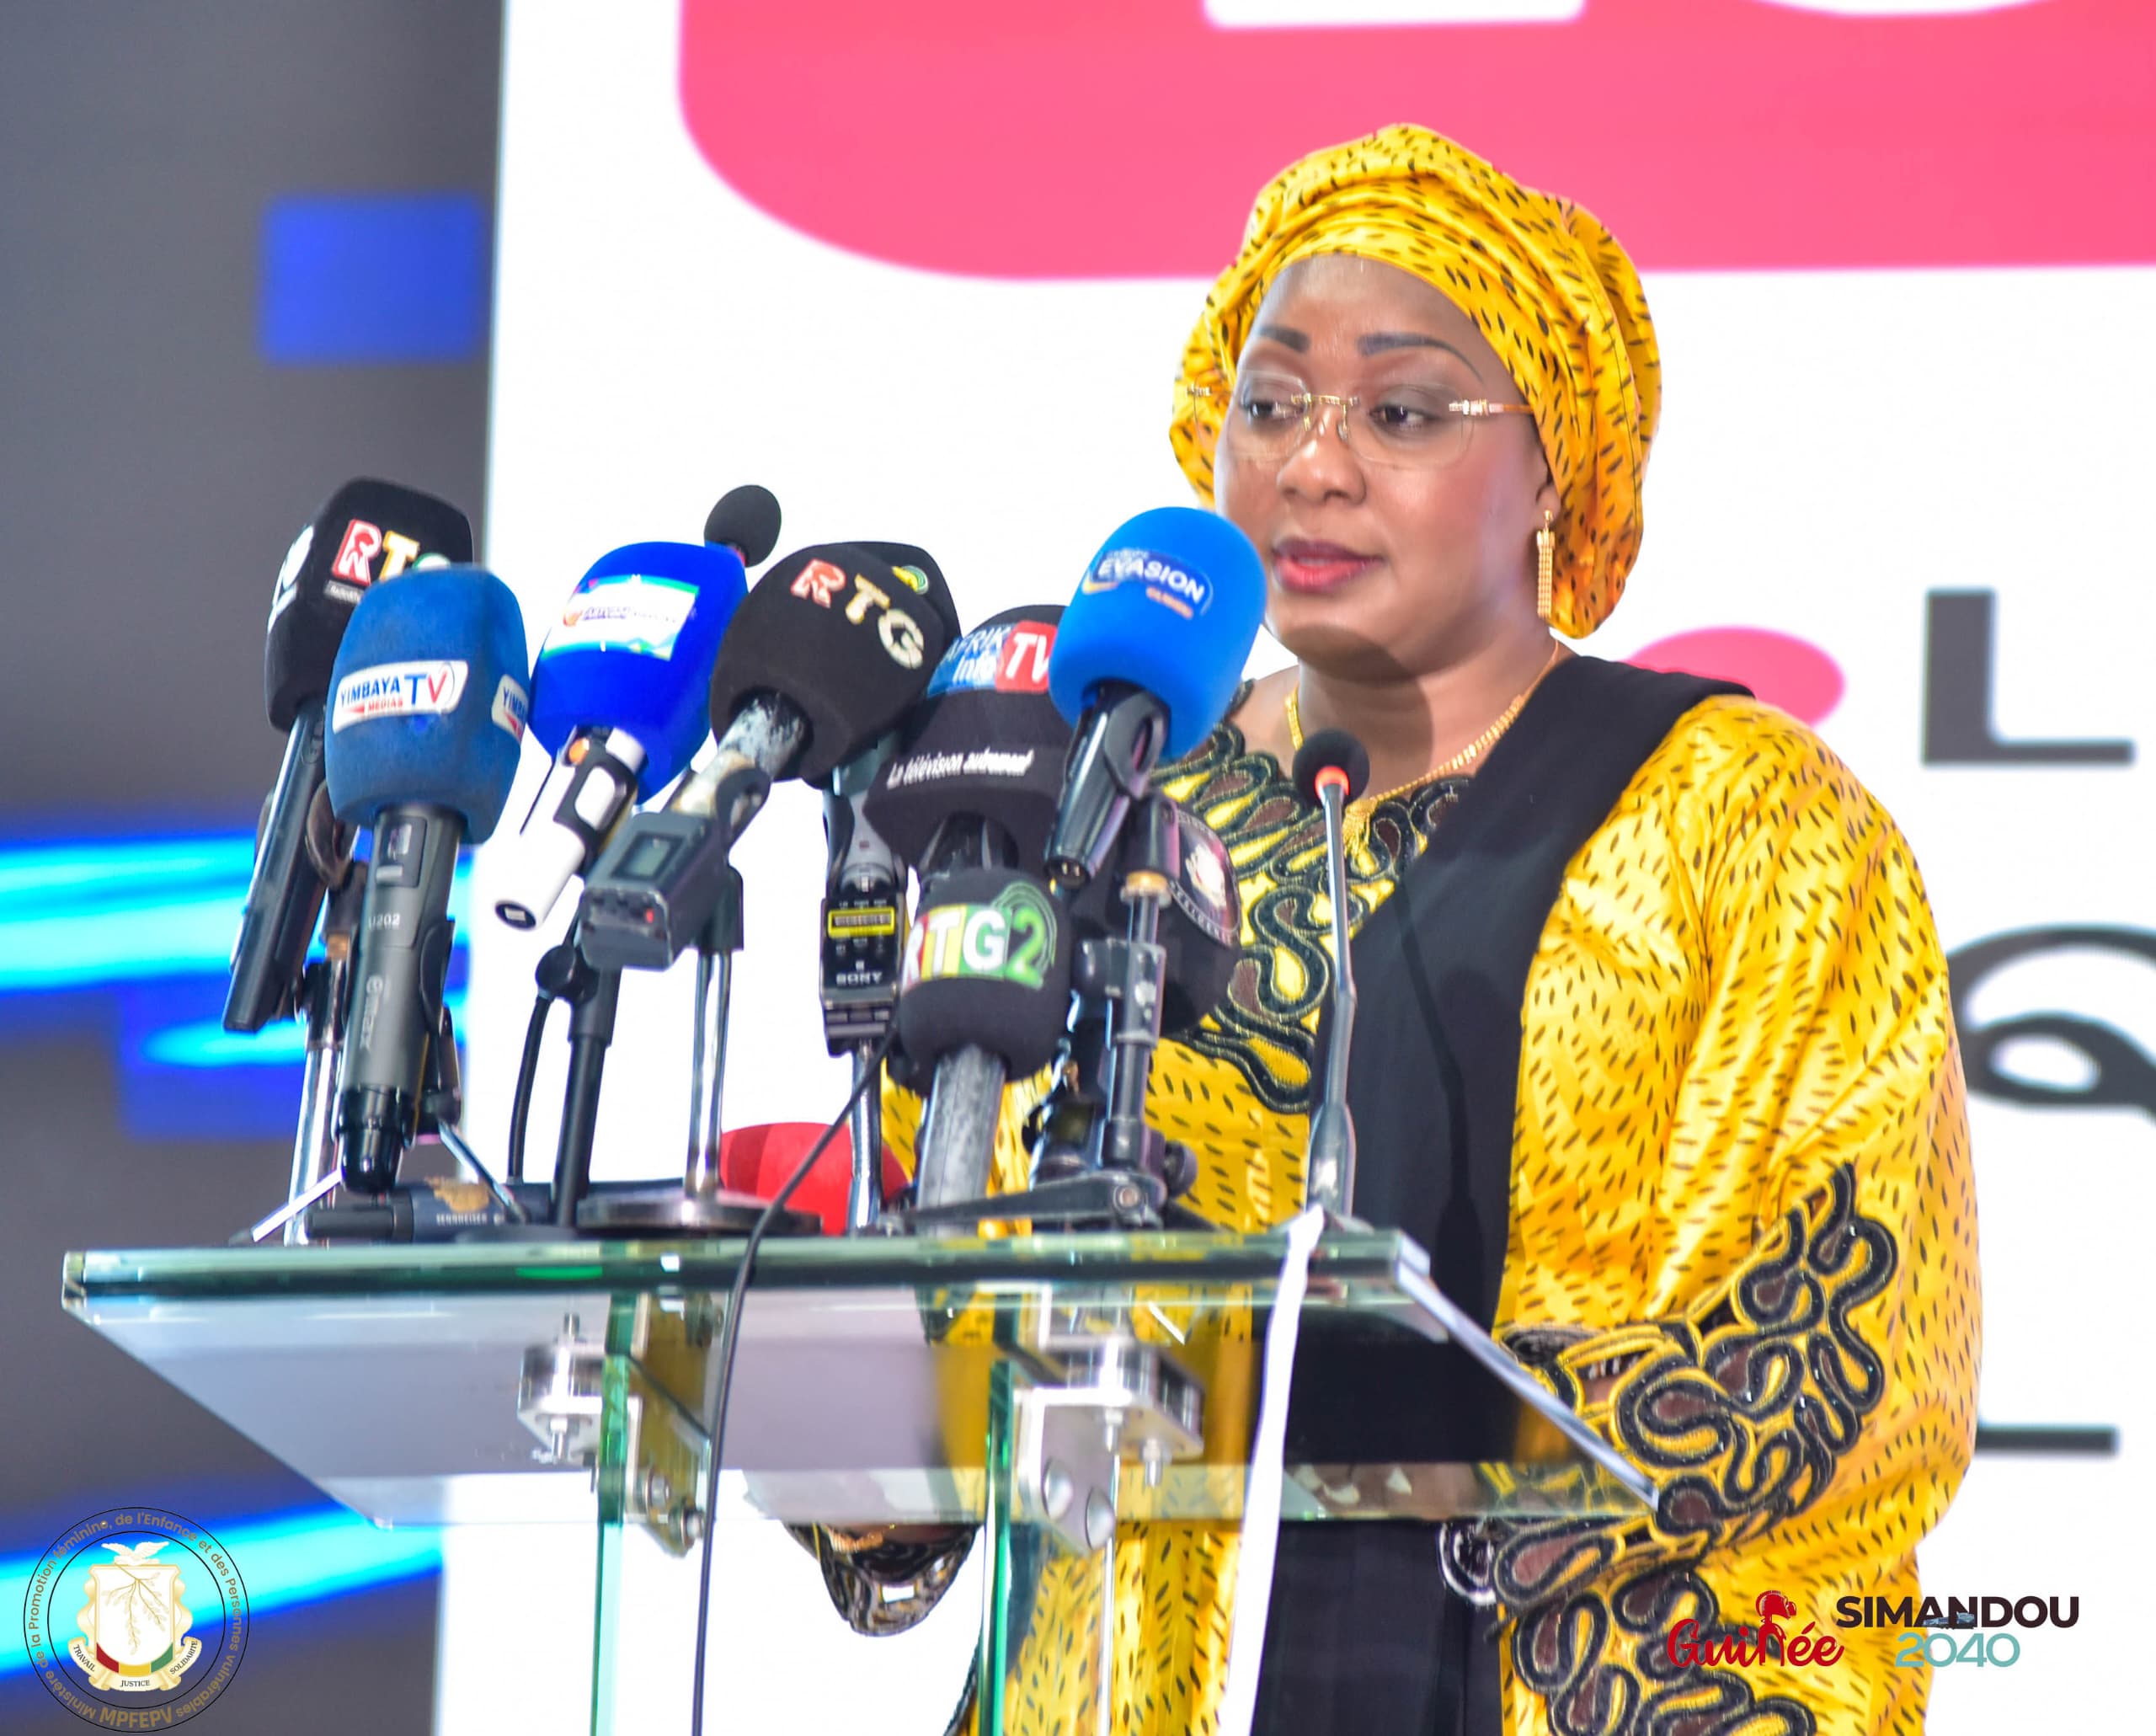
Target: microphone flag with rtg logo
{"points": [[136, 1619], [843, 633], [985, 739], [366, 533]]}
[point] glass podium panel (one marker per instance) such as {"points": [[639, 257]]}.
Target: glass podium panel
{"points": [[1047, 1388]]}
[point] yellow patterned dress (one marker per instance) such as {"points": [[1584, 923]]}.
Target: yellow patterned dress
{"points": [[1739, 1177]]}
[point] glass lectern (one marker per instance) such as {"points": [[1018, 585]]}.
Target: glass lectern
{"points": [[1047, 1388]]}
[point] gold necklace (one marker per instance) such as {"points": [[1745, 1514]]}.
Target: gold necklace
{"points": [[1364, 806]]}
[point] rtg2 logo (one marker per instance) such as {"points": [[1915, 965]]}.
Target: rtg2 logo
{"points": [[1189, 594], [1011, 940], [136, 1619]]}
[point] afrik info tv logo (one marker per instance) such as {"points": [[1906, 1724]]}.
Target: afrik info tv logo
{"points": [[136, 1619]]}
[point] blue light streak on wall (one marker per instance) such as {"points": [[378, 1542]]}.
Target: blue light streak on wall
{"points": [[80, 915], [134, 936], [300, 1558], [374, 280]]}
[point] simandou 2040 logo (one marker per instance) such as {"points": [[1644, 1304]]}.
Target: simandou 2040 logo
{"points": [[1972, 1631], [136, 1619]]}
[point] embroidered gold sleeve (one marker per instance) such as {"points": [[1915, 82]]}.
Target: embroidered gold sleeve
{"points": [[1802, 1379]]}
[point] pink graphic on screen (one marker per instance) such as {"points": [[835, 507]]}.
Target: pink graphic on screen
{"points": [[1785, 671], [1125, 138]]}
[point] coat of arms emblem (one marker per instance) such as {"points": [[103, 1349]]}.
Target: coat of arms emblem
{"points": [[135, 1627]]}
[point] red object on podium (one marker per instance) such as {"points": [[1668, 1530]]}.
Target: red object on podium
{"points": [[758, 1160]]}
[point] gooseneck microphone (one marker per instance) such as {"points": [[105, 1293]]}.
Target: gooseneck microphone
{"points": [[427, 715], [1330, 770], [366, 532], [1145, 663], [745, 520]]}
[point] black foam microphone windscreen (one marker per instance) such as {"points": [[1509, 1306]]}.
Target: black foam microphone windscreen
{"points": [[984, 740], [366, 532], [908, 556], [987, 966], [842, 637], [745, 521], [1336, 750]]}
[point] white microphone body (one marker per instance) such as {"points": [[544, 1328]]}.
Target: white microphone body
{"points": [[593, 784]]}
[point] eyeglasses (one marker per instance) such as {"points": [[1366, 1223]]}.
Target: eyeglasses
{"points": [[1408, 427]]}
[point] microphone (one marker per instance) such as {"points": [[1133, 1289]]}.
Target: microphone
{"points": [[1330, 770], [863, 926], [1145, 663], [973, 783], [984, 995], [985, 740], [365, 532], [822, 659], [746, 521], [617, 698], [427, 715]]}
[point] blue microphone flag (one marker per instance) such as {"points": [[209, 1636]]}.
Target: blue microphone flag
{"points": [[1171, 604], [633, 648], [429, 699]]}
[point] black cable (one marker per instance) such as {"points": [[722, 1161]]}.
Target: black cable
{"points": [[527, 1076], [729, 1335]]}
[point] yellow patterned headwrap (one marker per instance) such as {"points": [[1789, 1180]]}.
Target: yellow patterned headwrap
{"points": [[1543, 282]]}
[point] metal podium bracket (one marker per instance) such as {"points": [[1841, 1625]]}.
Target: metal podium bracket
{"points": [[1117, 1397], [659, 1451], [561, 1396]]}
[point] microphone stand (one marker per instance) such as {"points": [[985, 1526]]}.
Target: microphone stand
{"points": [[326, 997], [1329, 1162], [701, 1205], [593, 995], [716, 946]]}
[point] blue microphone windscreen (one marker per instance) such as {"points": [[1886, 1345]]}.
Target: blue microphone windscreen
{"points": [[428, 700], [1172, 604], [632, 650]]}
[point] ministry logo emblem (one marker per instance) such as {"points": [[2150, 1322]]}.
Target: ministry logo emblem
{"points": [[134, 1626], [136, 1619]]}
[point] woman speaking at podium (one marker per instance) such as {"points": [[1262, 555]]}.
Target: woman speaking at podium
{"points": [[1654, 1052]]}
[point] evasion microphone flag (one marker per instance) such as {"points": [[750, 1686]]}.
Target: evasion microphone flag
{"points": [[1146, 660]]}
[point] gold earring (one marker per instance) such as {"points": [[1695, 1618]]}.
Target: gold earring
{"points": [[1545, 564]]}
